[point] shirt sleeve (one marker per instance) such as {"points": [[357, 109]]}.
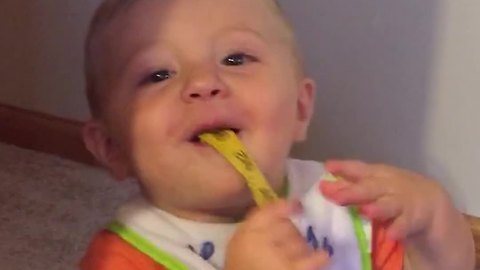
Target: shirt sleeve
{"points": [[386, 253], [107, 251]]}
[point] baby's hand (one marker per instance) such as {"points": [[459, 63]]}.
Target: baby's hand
{"points": [[404, 201], [269, 240], [411, 207]]}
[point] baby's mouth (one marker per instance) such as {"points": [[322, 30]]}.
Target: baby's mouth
{"points": [[195, 139]]}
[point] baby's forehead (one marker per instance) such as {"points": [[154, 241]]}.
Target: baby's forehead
{"points": [[138, 23], [126, 11]]}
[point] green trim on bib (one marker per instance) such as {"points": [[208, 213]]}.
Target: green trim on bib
{"points": [[363, 244], [146, 247], [362, 241]]}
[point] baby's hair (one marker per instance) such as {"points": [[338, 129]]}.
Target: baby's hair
{"points": [[104, 15]]}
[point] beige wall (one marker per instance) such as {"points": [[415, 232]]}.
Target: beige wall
{"points": [[399, 81], [40, 55], [452, 132]]}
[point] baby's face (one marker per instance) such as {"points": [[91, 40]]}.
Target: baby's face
{"points": [[181, 67]]}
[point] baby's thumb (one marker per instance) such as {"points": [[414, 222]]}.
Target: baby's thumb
{"points": [[279, 210]]}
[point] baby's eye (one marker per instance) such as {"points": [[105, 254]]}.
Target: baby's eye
{"points": [[158, 76], [238, 59]]}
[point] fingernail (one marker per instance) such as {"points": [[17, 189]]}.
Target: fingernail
{"points": [[342, 184]]}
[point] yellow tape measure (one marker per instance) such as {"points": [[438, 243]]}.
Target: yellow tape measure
{"points": [[229, 146]]}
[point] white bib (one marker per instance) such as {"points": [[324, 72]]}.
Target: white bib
{"points": [[201, 246]]}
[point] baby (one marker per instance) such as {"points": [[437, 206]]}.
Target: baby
{"points": [[161, 72]]}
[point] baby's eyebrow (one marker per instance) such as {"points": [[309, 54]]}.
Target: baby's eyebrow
{"points": [[267, 37], [139, 59], [244, 30]]}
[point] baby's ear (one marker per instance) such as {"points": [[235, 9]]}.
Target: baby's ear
{"points": [[305, 106], [107, 152]]}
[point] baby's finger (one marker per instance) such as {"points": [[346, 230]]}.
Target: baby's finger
{"points": [[350, 170], [314, 261], [397, 229], [344, 193], [383, 209]]}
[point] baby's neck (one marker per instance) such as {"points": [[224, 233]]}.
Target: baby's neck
{"points": [[224, 215], [219, 216]]}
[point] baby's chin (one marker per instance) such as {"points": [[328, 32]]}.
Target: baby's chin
{"points": [[227, 214], [215, 208], [227, 205], [216, 201], [221, 200]]}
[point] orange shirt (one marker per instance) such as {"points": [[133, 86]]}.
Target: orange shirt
{"points": [[386, 254], [110, 252]]}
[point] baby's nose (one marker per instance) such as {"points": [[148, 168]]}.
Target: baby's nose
{"points": [[203, 86], [203, 94]]}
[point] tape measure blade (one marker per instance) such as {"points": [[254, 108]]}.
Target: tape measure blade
{"points": [[231, 148]]}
